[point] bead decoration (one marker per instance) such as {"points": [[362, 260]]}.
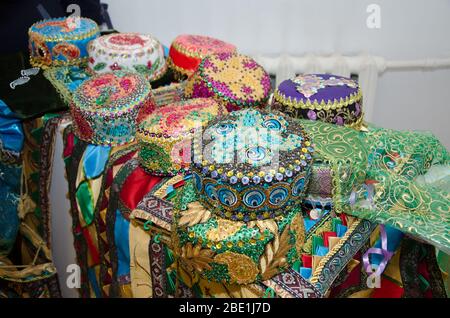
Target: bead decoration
{"points": [[329, 98], [233, 176], [233, 79], [187, 51], [165, 136], [61, 41]]}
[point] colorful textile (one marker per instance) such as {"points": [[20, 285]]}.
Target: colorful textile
{"points": [[373, 177], [10, 176], [90, 169], [35, 275], [395, 160], [37, 156], [66, 79], [11, 143], [233, 252]]}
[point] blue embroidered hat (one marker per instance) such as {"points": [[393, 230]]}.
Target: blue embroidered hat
{"points": [[252, 165]]}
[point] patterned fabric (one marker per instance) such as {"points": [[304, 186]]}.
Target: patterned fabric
{"points": [[45, 169], [37, 278], [154, 215], [290, 284], [9, 196], [235, 252], [373, 178], [90, 170], [158, 268], [66, 79], [11, 135], [421, 276], [338, 258], [395, 160], [156, 210], [37, 157], [105, 185]]}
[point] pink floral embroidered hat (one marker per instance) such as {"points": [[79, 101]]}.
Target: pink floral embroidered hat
{"points": [[107, 107]]}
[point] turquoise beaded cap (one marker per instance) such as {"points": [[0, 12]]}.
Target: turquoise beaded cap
{"points": [[61, 41], [252, 165]]}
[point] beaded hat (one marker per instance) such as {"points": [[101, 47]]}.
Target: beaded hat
{"points": [[234, 80], [165, 136], [128, 51], [329, 98], [187, 51], [106, 107], [252, 165], [61, 41]]}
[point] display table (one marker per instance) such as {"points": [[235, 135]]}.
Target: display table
{"points": [[132, 208]]}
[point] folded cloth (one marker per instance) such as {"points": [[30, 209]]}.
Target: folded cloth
{"points": [[9, 196]]}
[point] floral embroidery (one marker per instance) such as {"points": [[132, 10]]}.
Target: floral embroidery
{"points": [[108, 105], [127, 39], [235, 80], [202, 44]]}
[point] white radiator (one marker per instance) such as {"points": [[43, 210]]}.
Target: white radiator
{"points": [[366, 67]]}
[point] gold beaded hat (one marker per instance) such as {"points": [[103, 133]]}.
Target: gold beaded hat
{"points": [[233, 79]]}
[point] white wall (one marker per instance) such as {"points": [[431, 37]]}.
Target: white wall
{"points": [[410, 29]]}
